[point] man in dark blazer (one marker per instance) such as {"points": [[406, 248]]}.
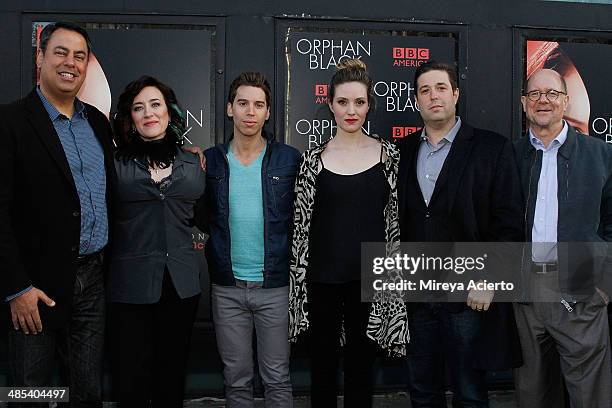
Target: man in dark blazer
{"points": [[58, 176], [456, 184]]}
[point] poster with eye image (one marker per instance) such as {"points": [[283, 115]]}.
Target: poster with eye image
{"points": [[179, 56], [311, 56], [585, 68]]}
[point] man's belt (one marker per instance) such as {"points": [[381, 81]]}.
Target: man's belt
{"points": [[85, 259], [541, 268]]}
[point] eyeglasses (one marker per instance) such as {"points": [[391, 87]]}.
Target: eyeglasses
{"points": [[551, 95]]}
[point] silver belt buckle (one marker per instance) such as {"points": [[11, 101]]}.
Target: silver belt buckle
{"points": [[540, 268], [543, 268]]}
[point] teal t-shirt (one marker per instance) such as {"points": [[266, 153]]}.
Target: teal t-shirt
{"points": [[246, 221]]}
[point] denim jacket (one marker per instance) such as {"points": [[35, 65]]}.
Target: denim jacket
{"points": [[278, 171]]}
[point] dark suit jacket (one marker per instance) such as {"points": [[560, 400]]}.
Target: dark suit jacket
{"points": [[39, 205], [481, 195]]}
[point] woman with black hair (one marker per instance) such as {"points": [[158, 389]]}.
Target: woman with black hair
{"points": [[154, 280]]}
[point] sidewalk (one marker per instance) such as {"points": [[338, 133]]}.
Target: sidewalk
{"points": [[498, 399]]}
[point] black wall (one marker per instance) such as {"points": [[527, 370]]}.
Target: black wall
{"points": [[491, 46], [250, 40]]}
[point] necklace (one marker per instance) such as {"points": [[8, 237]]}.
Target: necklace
{"points": [[158, 174]]}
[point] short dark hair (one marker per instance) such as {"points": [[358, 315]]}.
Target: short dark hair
{"points": [[49, 29], [352, 70], [437, 66], [256, 79], [122, 121]]}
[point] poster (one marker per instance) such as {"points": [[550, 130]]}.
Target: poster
{"points": [[391, 57], [182, 57], [179, 56], [584, 66]]}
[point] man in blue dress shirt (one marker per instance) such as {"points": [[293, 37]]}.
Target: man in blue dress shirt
{"points": [[56, 162]]}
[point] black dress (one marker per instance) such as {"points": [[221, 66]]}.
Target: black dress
{"points": [[348, 210]]}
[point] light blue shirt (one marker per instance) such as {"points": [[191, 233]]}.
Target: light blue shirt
{"points": [[431, 158], [544, 231], [246, 219], [86, 160]]}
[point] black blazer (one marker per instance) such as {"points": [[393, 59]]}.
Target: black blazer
{"points": [[39, 204], [477, 198], [165, 216], [479, 184]]}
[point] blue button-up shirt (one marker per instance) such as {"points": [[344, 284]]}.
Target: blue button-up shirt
{"points": [[544, 231], [86, 160], [431, 158]]}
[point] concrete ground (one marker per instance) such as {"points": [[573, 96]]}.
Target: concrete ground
{"points": [[498, 399]]}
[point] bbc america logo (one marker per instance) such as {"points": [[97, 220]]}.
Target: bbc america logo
{"points": [[399, 132], [321, 94], [410, 57], [411, 53]]}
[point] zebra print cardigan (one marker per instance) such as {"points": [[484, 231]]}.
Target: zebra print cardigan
{"points": [[388, 321]]}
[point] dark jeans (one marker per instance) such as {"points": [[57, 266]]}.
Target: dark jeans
{"points": [[149, 349], [439, 336], [78, 346], [329, 305]]}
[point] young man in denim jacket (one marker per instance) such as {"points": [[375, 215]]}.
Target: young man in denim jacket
{"points": [[249, 202]]}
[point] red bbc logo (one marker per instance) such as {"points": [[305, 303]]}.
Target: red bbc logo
{"points": [[411, 53], [398, 132], [321, 90]]}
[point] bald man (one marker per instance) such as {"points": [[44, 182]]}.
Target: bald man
{"points": [[567, 187]]}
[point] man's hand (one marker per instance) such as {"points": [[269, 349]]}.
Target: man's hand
{"points": [[480, 299], [24, 310], [199, 152]]}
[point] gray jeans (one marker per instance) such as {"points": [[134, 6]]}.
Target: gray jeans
{"points": [[560, 345], [236, 310]]}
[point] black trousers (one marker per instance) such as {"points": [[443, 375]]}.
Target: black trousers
{"points": [[330, 305], [149, 349], [78, 346]]}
